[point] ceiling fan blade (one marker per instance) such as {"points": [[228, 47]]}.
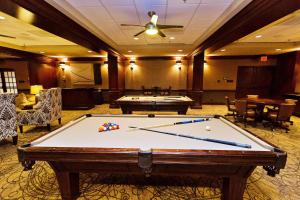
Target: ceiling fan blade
{"points": [[131, 25], [154, 19], [139, 33], [7, 36], [168, 26], [161, 33]]}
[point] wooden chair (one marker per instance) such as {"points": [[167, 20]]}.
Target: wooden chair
{"points": [[244, 113], [230, 106], [252, 96], [146, 91], [277, 117], [291, 101]]}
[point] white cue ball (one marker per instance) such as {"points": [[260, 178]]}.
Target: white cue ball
{"points": [[207, 128]]}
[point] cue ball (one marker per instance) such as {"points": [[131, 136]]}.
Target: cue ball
{"points": [[207, 128]]}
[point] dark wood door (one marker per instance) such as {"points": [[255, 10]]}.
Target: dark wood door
{"points": [[254, 80]]}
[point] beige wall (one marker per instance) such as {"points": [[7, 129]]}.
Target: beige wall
{"points": [[21, 69], [161, 73], [218, 69], [85, 78]]}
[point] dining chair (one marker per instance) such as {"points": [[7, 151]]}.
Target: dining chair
{"points": [[230, 106], [277, 117], [244, 112]]}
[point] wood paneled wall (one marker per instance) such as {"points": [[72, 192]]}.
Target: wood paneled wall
{"points": [[43, 73], [284, 80]]}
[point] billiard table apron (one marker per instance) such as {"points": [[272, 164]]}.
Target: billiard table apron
{"points": [[233, 166]]}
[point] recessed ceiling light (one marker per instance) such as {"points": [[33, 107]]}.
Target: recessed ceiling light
{"points": [[172, 38], [223, 50], [136, 38], [258, 36], [42, 52], [180, 50], [90, 51], [2, 18], [278, 49], [129, 51]]}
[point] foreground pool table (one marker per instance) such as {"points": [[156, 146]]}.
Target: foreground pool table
{"points": [[180, 104], [79, 147]]}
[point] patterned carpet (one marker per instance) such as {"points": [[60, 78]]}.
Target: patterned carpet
{"points": [[40, 182]]}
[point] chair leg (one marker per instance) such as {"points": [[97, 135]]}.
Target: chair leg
{"points": [[15, 140], [59, 121], [21, 128], [48, 127], [245, 122]]}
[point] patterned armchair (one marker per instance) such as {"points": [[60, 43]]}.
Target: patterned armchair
{"points": [[8, 117], [48, 109]]}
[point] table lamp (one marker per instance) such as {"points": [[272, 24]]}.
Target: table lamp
{"points": [[35, 89]]}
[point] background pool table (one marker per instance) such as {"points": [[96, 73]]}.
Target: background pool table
{"points": [[180, 104], [79, 147]]}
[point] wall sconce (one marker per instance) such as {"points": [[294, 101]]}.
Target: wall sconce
{"points": [[132, 63], [63, 66], [178, 63]]}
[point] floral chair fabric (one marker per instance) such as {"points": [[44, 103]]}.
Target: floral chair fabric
{"points": [[8, 117], [48, 109]]}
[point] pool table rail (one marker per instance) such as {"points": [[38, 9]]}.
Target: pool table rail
{"points": [[273, 161]]}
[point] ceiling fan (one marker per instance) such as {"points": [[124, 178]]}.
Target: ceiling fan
{"points": [[152, 27], [7, 36]]}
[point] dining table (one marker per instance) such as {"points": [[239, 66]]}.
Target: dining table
{"points": [[260, 104]]}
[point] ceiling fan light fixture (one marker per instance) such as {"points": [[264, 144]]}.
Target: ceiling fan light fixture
{"points": [[152, 31]]}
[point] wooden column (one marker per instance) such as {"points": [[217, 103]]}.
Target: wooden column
{"points": [[284, 79], [113, 91], [197, 83]]}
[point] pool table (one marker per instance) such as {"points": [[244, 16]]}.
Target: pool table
{"points": [[154, 103], [79, 147]]}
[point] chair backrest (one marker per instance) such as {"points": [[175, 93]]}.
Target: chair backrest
{"points": [[51, 103], [8, 115], [227, 102], [241, 107], [290, 101], [285, 111], [252, 96]]}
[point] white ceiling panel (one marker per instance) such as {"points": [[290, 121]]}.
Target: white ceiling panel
{"points": [[77, 3], [117, 2], [123, 14], [95, 14], [197, 17], [216, 1], [180, 14]]}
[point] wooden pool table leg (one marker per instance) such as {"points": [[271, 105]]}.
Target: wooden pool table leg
{"points": [[68, 182], [182, 111], [68, 185], [234, 186]]}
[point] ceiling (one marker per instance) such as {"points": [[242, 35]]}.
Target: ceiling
{"points": [[278, 37], [200, 18], [32, 39]]}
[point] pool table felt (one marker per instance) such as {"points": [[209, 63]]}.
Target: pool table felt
{"points": [[84, 133], [155, 98]]}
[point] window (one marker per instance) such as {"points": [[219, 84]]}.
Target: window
{"points": [[8, 81]]}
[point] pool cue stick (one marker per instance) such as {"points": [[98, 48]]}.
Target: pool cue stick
{"points": [[172, 124], [198, 138]]}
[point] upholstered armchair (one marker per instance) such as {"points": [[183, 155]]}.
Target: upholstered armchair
{"points": [[8, 117], [47, 110]]}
